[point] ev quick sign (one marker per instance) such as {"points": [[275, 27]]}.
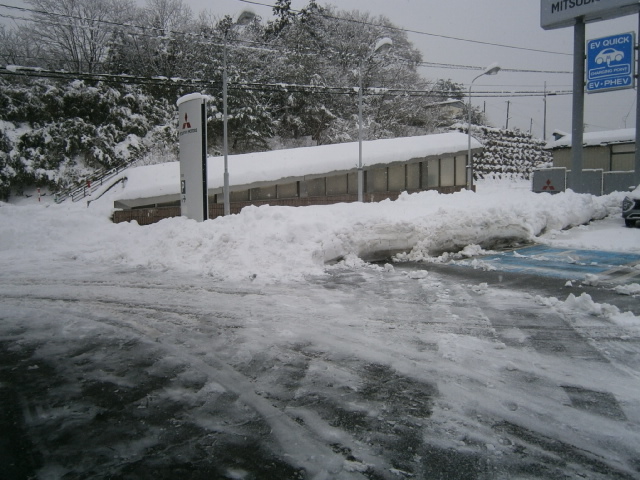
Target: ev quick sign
{"points": [[611, 63]]}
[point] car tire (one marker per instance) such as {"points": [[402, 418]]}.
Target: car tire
{"points": [[630, 223]]}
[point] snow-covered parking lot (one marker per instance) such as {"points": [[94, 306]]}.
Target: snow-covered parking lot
{"points": [[228, 349]]}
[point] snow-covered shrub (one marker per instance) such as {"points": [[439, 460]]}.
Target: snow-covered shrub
{"points": [[69, 129], [6, 170], [510, 154]]}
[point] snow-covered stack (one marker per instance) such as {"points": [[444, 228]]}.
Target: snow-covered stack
{"points": [[509, 154]]}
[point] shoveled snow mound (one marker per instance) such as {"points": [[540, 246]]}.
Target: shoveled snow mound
{"points": [[585, 304], [271, 243]]}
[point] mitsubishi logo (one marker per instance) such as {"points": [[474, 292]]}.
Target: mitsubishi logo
{"points": [[186, 123]]}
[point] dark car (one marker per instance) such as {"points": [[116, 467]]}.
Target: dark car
{"points": [[631, 208]]}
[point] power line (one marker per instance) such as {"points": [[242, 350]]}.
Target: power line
{"points": [[247, 44], [33, 72], [474, 67], [164, 32], [418, 32]]}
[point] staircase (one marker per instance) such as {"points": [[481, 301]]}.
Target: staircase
{"points": [[91, 184]]}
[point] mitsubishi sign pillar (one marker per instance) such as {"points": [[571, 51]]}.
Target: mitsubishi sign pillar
{"points": [[192, 128]]}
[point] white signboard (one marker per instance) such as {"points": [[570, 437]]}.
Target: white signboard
{"points": [[192, 129], [562, 13]]}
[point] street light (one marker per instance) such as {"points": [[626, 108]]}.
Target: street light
{"points": [[243, 19], [381, 45], [492, 69]]}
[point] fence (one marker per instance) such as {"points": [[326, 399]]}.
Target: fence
{"points": [[595, 182]]}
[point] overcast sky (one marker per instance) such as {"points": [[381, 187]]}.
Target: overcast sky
{"points": [[515, 23]]}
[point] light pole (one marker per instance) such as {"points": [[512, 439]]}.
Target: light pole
{"points": [[381, 45], [492, 69], [243, 19]]}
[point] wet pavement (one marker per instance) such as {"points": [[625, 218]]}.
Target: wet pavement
{"points": [[568, 263], [422, 372]]}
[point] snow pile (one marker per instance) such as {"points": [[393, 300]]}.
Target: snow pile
{"points": [[585, 304], [274, 243], [631, 289]]}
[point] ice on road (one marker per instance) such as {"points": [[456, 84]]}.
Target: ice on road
{"points": [[230, 350]]}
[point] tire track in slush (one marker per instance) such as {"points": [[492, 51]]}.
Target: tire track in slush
{"points": [[300, 448]]}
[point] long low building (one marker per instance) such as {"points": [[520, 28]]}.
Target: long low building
{"points": [[305, 176], [611, 151]]}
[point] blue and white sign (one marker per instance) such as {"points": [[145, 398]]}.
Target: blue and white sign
{"points": [[611, 63]]}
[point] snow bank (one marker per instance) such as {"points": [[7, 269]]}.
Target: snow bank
{"points": [[585, 304], [274, 243]]}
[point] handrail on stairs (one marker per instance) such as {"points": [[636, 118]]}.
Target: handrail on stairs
{"points": [[90, 184]]}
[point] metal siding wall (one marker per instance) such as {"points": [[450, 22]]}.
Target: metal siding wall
{"points": [[447, 172], [397, 178], [413, 176], [239, 196], [595, 158], [263, 193], [288, 190], [461, 170], [432, 174], [337, 185], [316, 187], [377, 180]]}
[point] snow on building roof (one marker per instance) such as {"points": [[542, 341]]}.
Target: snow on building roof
{"points": [[275, 165], [626, 135]]}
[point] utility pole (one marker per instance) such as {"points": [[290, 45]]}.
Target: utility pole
{"points": [[507, 124], [544, 99], [637, 153], [577, 108], [544, 120], [530, 126]]}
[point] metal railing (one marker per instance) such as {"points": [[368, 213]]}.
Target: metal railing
{"points": [[90, 184]]}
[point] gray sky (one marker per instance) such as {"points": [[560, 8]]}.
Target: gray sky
{"points": [[514, 23]]}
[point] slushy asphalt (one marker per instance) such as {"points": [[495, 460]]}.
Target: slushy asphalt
{"points": [[568, 264]]}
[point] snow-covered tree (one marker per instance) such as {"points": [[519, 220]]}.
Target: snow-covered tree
{"points": [[71, 128], [75, 34], [164, 46], [294, 77]]}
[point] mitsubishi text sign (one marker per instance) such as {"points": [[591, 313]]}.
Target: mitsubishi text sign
{"points": [[611, 63], [562, 13], [193, 157]]}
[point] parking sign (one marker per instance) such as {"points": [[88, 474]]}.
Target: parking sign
{"points": [[611, 63]]}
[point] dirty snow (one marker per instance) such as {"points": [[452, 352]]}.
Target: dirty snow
{"points": [[249, 305]]}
